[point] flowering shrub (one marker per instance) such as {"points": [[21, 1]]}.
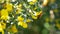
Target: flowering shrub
{"points": [[19, 14]]}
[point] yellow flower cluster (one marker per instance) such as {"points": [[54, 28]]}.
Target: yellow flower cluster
{"points": [[19, 9], [5, 12], [11, 13], [22, 23]]}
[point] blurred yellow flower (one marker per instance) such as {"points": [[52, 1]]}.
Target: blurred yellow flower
{"points": [[1, 29], [20, 18], [18, 11], [14, 29], [20, 5], [31, 3], [28, 20], [34, 17], [3, 25], [23, 24], [4, 14], [38, 13], [9, 7], [20, 23]]}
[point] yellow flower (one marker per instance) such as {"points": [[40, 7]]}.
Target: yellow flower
{"points": [[9, 7], [20, 5], [20, 23], [14, 29], [18, 11], [3, 25], [28, 20], [23, 24], [1, 29], [4, 14], [34, 17], [31, 3], [20, 18], [38, 13]]}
